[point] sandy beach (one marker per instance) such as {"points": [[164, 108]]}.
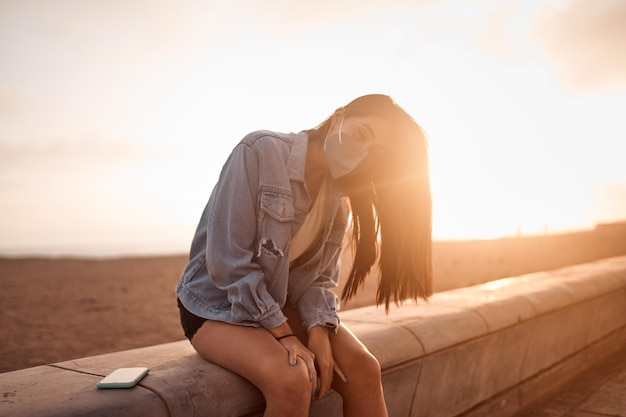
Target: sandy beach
{"points": [[55, 309]]}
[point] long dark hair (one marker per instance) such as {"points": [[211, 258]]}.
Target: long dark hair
{"points": [[392, 210]]}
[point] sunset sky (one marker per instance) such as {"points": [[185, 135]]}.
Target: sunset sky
{"points": [[117, 115]]}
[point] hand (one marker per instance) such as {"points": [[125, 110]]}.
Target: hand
{"points": [[296, 349], [319, 344]]}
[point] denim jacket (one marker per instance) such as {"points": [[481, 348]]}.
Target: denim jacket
{"points": [[238, 270]]}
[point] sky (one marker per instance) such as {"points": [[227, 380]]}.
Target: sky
{"points": [[117, 115]]}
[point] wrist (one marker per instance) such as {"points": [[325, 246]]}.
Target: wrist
{"points": [[282, 331], [285, 336], [319, 328]]}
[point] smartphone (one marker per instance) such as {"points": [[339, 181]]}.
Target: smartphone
{"points": [[123, 378]]}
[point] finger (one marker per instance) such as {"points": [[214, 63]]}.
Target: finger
{"points": [[314, 385], [310, 363], [291, 352], [318, 386], [293, 358], [339, 372], [326, 380]]}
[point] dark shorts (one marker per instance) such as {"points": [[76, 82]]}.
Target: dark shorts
{"points": [[190, 322]]}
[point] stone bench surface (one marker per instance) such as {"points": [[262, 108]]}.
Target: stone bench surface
{"points": [[495, 346]]}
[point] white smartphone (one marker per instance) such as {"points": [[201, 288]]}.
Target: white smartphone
{"points": [[123, 378]]}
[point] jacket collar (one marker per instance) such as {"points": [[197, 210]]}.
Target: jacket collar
{"points": [[297, 156]]}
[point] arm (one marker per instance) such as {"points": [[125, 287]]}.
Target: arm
{"points": [[318, 309], [231, 241]]}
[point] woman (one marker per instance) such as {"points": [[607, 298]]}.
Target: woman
{"points": [[254, 297]]}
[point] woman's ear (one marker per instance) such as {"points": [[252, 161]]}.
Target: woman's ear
{"points": [[337, 117]]}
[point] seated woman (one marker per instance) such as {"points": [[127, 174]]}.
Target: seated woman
{"points": [[254, 297]]}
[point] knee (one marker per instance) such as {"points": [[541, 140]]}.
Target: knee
{"points": [[292, 387], [367, 369], [297, 381]]}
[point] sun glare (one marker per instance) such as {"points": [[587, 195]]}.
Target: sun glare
{"points": [[512, 150]]}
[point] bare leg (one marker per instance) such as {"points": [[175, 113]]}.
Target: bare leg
{"points": [[255, 355], [363, 393]]}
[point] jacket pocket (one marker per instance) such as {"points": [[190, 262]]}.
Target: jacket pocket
{"points": [[277, 205]]}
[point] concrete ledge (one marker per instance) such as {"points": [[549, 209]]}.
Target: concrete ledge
{"points": [[486, 350]]}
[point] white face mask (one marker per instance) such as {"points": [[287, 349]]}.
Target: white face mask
{"points": [[343, 153]]}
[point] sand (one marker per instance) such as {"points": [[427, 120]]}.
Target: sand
{"points": [[56, 309]]}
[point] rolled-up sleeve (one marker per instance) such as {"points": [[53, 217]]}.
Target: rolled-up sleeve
{"points": [[318, 307], [231, 242]]}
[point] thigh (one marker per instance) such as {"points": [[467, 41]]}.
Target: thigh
{"points": [[250, 352]]}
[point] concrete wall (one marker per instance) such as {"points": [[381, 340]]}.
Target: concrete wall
{"points": [[486, 350]]}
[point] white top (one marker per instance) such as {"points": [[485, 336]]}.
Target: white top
{"points": [[312, 226]]}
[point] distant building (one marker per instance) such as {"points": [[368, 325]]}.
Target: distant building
{"points": [[612, 228]]}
